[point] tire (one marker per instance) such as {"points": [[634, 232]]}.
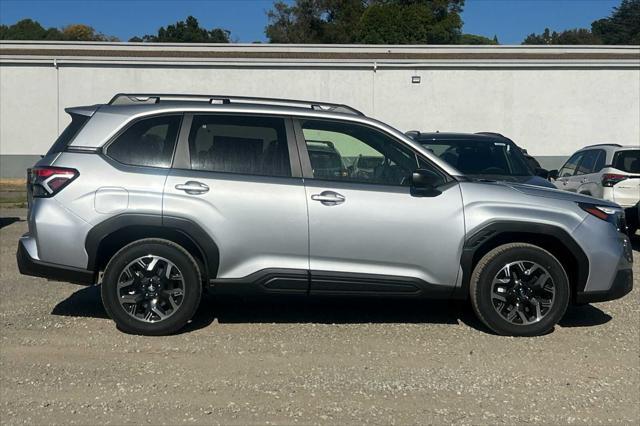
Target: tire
{"points": [[164, 296], [492, 296]]}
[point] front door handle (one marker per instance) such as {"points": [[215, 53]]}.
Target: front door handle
{"points": [[329, 198], [193, 187]]}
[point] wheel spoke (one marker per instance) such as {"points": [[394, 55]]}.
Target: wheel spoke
{"points": [[125, 283], [540, 282], [131, 298], [156, 310], [152, 264]]}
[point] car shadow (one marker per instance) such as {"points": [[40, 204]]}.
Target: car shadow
{"points": [[301, 310], [584, 316], [6, 221]]}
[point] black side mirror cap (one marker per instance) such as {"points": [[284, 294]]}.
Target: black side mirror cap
{"points": [[424, 183], [423, 178]]}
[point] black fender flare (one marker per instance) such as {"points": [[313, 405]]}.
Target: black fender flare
{"points": [[189, 229], [489, 232]]}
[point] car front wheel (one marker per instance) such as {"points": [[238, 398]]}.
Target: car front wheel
{"points": [[151, 287], [519, 289]]}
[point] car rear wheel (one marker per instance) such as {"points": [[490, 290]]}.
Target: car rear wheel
{"points": [[519, 289], [151, 287]]}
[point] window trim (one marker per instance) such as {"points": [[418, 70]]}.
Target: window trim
{"points": [[307, 170], [104, 150], [182, 159]]}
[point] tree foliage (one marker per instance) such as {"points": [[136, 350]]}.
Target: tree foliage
{"points": [[477, 39], [28, 29], [188, 31], [366, 21], [622, 27]]}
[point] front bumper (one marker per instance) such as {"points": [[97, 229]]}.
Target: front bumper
{"points": [[621, 286], [622, 282], [37, 268]]}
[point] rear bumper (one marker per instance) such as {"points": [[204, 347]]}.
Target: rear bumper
{"points": [[37, 268]]}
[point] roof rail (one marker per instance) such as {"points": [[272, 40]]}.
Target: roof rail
{"points": [[154, 98], [602, 144]]}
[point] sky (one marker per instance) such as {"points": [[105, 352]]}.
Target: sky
{"points": [[510, 20]]}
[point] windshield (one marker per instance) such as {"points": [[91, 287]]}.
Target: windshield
{"points": [[481, 157]]}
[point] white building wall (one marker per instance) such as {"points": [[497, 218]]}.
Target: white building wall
{"points": [[550, 110]]}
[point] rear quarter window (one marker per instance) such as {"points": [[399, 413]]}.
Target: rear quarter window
{"points": [[148, 142], [70, 132]]}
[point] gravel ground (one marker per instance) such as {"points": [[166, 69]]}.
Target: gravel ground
{"points": [[306, 362]]}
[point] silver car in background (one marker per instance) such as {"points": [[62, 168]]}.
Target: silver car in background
{"points": [[157, 197]]}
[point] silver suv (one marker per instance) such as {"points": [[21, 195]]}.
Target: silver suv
{"points": [[158, 197], [608, 171]]}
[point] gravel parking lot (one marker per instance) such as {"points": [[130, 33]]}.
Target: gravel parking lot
{"points": [[296, 361]]}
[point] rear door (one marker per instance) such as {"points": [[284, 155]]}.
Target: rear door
{"points": [[367, 232], [233, 176]]}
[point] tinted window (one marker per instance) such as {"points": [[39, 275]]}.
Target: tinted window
{"points": [[628, 161], [588, 162], [600, 161], [239, 144], [475, 157], [570, 166], [355, 153], [148, 142], [77, 121]]}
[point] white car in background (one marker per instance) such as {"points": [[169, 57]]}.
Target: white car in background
{"points": [[608, 171]]}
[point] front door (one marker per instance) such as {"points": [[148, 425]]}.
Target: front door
{"points": [[233, 176], [367, 232]]}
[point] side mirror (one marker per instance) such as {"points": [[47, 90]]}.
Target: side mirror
{"points": [[552, 174], [424, 183], [543, 173]]}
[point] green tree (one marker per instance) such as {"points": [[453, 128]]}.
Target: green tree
{"points": [[365, 21], [314, 21], [28, 29], [622, 27], [477, 39], [575, 36], [188, 31]]}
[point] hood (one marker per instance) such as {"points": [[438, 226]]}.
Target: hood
{"points": [[558, 194], [527, 180]]}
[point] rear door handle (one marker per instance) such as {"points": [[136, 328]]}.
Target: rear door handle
{"points": [[193, 187], [329, 198]]}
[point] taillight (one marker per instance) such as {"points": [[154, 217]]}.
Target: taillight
{"points": [[48, 181], [614, 216], [610, 179]]}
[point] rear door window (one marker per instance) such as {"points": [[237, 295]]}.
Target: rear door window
{"points": [[239, 144], [570, 166], [627, 161], [588, 162], [70, 132], [149, 142]]}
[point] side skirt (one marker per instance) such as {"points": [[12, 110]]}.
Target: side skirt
{"points": [[327, 283]]}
